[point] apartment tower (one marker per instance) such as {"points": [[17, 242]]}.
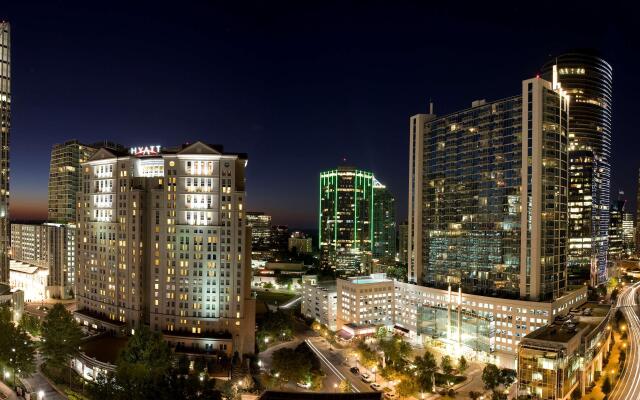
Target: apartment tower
{"points": [[5, 124]]}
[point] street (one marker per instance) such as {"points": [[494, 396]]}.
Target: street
{"points": [[628, 386]]}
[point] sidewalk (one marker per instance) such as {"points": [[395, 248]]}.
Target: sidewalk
{"points": [[7, 392], [612, 365]]}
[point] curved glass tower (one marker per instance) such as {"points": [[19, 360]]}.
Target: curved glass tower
{"points": [[5, 123], [588, 79]]}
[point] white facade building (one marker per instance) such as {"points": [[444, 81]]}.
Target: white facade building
{"points": [[162, 241], [319, 301], [31, 279]]}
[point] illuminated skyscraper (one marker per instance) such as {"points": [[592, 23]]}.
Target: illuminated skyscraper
{"points": [[384, 222], [616, 248], [588, 80], [488, 196], [5, 124], [162, 241], [345, 228]]}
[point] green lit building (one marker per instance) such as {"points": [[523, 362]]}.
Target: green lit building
{"points": [[345, 228]]}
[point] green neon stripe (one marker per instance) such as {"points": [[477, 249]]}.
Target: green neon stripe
{"points": [[371, 216], [320, 181], [335, 211]]}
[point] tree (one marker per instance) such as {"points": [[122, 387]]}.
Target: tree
{"points": [[182, 365], [497, 395], [292, 366], [366, 354], [200, 365], [395, 350], [474, 395], [143, 366], [491, 376], [446, 366], [17, 350], [463, 365], [345, 386], [426, 368], [31, 324], [381, 333], [407, 386], [61, 336], [606, 386], [507, 377]]}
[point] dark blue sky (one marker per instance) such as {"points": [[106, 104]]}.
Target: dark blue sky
{"points": [[298, 86]]}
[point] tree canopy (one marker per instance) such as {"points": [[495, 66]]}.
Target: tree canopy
{"points": [[61, 336]]}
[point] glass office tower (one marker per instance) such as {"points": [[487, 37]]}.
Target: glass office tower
{"points": [[488, 196], [384, 222], [345, 228], [588, 80], [5, 124]]}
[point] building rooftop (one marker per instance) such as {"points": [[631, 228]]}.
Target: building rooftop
{"points": [[104, 348], [371, 279], [26, 268], [579, 321]]}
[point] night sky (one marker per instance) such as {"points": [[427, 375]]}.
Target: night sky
{"points": [[298, 86]]}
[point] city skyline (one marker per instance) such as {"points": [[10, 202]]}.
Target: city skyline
{"points": [[237, 79]]}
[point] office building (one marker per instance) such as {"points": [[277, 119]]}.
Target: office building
{"points": [[566, 356], [588, 81], [384, 222], [615, 228], [364, 303], [628, 234], [50, 246], [31, 279], [14, 298], [299, 243], [487, 205], [260, 225], [319, 300], [345, 229], [279, 239], [64, 179], [162, 241], [403, 242], [5, 125]]}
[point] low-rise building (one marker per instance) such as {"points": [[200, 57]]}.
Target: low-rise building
{"points": [[565, 356], [365, 301], [299, 243], [31, 279], [14, 298], [319, 300]]}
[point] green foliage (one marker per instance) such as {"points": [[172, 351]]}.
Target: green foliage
{"points": [[426, 367], [182, 365], [497, 395], [366, 354], [31, 324], [17, 350], [297, 365], [275, 326], [344, 386], [143, 365], [61, 336], [446, 365], [507, 377], [381, 333], [491, 376], [396, 350], [474, 395], [463, 365], [200, 365], [606, 386], [407, 386]]}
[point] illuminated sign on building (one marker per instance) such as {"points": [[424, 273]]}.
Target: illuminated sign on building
{"points": [[145, 151]]}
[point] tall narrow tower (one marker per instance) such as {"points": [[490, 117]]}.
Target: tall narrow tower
{"points": [[5, 123], [588, 80]]}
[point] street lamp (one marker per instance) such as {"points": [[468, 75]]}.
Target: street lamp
{"points": [[374, 369], [335, 387], [40, 394]]}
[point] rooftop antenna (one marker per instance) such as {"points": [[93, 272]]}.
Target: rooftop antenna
{"points": [[430, 106]]}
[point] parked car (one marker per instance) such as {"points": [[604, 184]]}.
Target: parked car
{"points": [[376, 386], [390, 396], [304, 385], [366, 378], [354, 370]]}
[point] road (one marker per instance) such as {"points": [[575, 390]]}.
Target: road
{"points": [[36, 383], [628, 386]]}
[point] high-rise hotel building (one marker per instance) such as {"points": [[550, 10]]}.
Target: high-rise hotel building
{"points": [[588, 80], [162, 241], [5, 124]]}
